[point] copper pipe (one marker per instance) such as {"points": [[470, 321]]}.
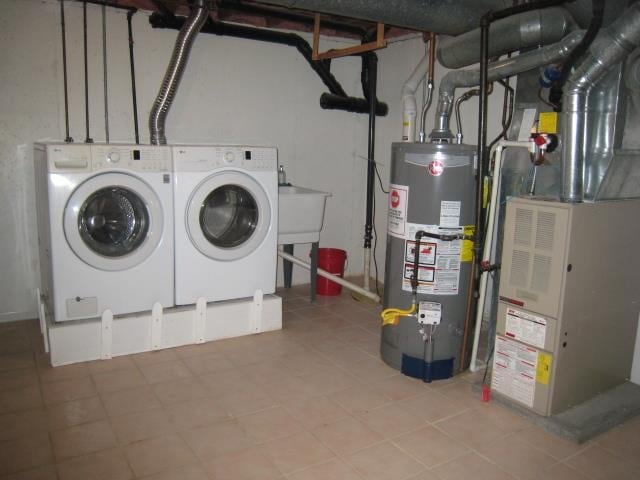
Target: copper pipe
{"points": [[430, 75]]}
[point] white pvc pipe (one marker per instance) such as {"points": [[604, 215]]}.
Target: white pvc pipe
{"points": [[409, 104], [330, 276], [367, 268], [488, 244]]}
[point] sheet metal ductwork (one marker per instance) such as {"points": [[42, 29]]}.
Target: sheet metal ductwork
{"points": [[450, 17], [529, 29], [175, 70], [611, 47], [497, 70]]}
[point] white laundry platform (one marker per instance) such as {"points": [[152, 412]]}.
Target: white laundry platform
{"points": [[109, 336]]}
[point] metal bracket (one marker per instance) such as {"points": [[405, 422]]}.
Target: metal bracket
{"points": [[156, 326], [107, 334], [199, 320], [256, 311]]}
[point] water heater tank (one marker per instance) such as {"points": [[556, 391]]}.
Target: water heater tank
{"points": [[432, 189]]}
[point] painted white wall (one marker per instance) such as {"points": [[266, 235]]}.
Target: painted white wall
{"points": [[234, 90]]}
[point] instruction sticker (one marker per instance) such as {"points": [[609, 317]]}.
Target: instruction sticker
{"points": [[438, 262], [515, 370], [397, 218], [449, 214], [526, 327]]}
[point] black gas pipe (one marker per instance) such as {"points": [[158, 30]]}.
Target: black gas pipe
{"points": [[63, 26], [134, 95], [371, 62]]}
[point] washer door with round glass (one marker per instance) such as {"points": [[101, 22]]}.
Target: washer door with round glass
{"points": [[228, 216], [113, 221]]}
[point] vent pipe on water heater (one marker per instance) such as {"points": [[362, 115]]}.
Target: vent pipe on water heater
{"points": [[175, 70]]}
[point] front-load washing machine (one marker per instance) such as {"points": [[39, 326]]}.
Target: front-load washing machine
{"points": [[105, 226], [226, 217]]}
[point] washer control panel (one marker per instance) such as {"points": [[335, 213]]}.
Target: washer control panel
{"points": [[138, 158], [206, 158]]}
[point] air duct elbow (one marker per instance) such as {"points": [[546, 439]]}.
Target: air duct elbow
{"points": [[529, 29], [175, 70]]}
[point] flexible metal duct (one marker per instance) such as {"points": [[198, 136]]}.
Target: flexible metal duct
{"points": [[175, 70], [451, 17], [497, 70], [529, 29], [612, 45]]}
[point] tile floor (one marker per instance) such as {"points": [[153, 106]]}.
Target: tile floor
{"points": [[312, 401]]}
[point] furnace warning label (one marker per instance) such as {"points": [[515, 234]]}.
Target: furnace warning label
{"points": [[397, 217], [526, 327], [438, 262], [514, 370]]}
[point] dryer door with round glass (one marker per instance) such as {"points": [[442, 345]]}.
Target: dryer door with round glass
{"points": [[228, 216], [113, 221]]}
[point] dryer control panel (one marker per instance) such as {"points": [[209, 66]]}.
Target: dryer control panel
{"points": [[131, 157], [207, 158]]}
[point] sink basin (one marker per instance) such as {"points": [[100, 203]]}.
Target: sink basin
{"points": [[300, 214]]}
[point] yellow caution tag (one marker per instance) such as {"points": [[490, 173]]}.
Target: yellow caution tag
{"points": [[466, 252], [485, 192], [543, 372], [548, 122]]}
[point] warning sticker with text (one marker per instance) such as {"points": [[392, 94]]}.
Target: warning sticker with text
{"points": [[514, 370], [397, 217], [525, 327]]}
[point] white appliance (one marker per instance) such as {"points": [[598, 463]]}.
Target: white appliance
{"points": [[226, 218], [105, 223]]}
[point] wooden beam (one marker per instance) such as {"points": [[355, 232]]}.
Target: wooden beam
{"points": [[379, 43]]}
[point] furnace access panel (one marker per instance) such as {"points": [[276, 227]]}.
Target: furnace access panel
{"points": [[569, 301]]}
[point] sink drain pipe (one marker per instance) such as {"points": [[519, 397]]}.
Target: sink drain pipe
{"points": [[334, 278]]}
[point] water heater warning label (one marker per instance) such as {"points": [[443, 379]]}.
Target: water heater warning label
{"points": [[438, 262], [398, 201]]}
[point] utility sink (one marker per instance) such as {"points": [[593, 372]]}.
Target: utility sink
{"points": [[300, 214]]}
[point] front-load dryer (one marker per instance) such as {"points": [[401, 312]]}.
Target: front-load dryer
{"points": [[105, 224], [226, 217]]}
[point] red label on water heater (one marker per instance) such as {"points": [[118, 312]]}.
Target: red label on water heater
{"points": [[436, 168]]}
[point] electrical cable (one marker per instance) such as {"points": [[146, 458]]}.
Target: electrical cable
{"points": [[486, 368], [88, 138], [375, 166], [68, 138], [132, 67]]}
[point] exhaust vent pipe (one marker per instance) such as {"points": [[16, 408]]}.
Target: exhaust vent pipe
{"points": [[609, 48], [173, 75]]}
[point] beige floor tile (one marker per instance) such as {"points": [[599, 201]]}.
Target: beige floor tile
{"points": [[560, 471], [187, 351], [624, 441], [430, 446], [66, 372], [17, 379], [471, 429], [287, 388], [23, 424], [180, 391], [400, 387], [83, 439], [217, 439], [471, 466], [249, 464], [244, 403], [138, 426], [13, 361], [315, 411], [269, 424], [359, 399], [76, 412], [136, 399], [226, 382], [504, 418], [68, 390], [45, 472], [157, 356], [196, 413], [463, 392], [558, 447], [432, 406], [391, 420], [189, 472], [334, 469], [517, 457], [425, 475], [346, 355], [27, 398], [116, 380], [105, 465], [328, 380], [25, 453], [370, 370], [384, 462], [599, 464], [165, 371], [116, 363], [296, 452], [207, 363], [159, 454], [346, 436]]}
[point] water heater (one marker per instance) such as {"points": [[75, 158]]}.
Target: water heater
{"points": [[432, 190]]}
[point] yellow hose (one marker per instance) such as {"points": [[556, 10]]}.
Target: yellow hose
{"points": [[391, 316]]}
